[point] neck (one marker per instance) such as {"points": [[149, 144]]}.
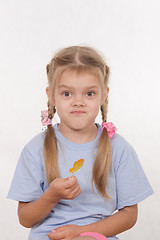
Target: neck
{"points": [[79, 136]]}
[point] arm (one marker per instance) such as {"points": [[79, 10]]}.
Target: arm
{"points": [[113, 225], [32, 213]]}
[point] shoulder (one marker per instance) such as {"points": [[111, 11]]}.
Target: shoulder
{"points": [[118, 142], [33, 150], [122, 151], [36, 143]]}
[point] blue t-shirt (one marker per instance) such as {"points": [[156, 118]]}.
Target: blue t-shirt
{"points": [[127, 183]]}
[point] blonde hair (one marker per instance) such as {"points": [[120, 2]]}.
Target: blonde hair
{"points": [[80, 59]]}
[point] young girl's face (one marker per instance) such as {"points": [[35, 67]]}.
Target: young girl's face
{"points": [[78, 97]]}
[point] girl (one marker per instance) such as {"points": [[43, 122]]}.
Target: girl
{"points": [[55, 204]]}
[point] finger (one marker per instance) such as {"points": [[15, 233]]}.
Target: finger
{"points": [[71, 182], [74, 193], [51, 236], [58, 235], [72, 188], [61, 228]]}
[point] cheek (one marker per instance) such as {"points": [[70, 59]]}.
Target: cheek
{"points": [[59, 112], [96, 104], [61, 107], [95, 107]]}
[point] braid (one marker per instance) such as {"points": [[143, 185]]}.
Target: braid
{"points": [[51, 155], [104, 107], [51, 110], [104, 110], [103, 159], [50, 148]]}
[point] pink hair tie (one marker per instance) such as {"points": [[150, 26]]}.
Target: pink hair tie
{"points": [[45, 119], [95, 235], [110, 128]]}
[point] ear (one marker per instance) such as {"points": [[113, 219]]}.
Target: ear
{"points": [[48, 91], [50, 97], [105, 95]]}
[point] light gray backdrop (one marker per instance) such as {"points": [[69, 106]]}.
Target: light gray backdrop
{"points": [[127, 34]]}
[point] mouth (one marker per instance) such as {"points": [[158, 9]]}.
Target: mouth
{"points": [[77, 112]]}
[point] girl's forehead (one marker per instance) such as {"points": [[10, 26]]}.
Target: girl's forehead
{"points": [[75, 79]]}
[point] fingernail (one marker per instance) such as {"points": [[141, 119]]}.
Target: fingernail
{"points": [[69, 177]]}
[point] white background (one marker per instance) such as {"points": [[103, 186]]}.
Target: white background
{"points": [[127, 34]]}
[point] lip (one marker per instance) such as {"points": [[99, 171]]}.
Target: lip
{"points": [[77, 112]]}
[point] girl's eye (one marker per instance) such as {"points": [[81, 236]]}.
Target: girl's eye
{"points": [[90, 94], [66, 94]]}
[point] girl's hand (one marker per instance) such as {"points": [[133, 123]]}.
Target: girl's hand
{"points": [[66, 232], [64, 188]]}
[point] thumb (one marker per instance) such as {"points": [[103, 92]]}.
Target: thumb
{"points": [[70, 181], [71, 178]]}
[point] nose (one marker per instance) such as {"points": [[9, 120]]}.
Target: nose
{"points": [[78, 101]]}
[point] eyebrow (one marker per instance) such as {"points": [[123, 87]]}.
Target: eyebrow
{"points": [[88, 87]]}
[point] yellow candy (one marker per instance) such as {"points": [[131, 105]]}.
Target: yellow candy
{"points": [[77, 165]]}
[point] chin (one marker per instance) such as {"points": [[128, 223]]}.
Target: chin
{"points": [[77, 126]]}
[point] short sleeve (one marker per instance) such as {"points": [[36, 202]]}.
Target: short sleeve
{"points": [[27, 183], [131, 182]]}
